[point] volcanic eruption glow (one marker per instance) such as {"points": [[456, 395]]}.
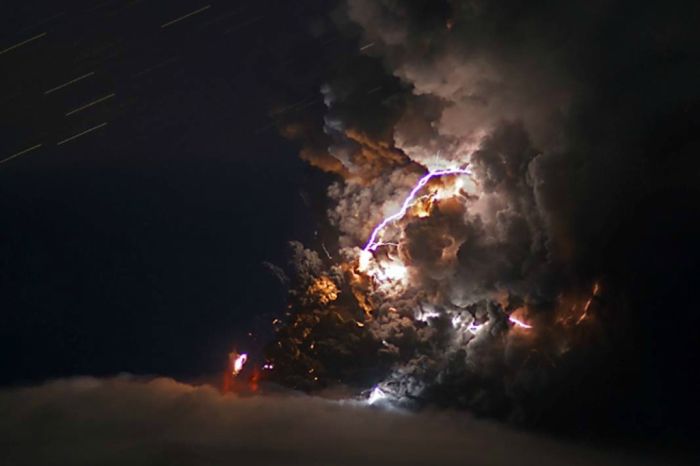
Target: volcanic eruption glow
{"points": [[238, 363], [455, 275]]}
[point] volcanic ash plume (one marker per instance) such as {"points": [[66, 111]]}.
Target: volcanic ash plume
{"points": [[469, 271]]}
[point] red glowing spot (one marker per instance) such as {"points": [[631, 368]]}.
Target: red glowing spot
{"points": [[254, 382]]}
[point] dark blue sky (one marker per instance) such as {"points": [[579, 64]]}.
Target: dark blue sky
{"points": [[138, 245]]}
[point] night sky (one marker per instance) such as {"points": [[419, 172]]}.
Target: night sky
{"points": [[138, 246], [157, 158]]}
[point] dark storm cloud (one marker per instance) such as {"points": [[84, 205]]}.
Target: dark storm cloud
{"points": [[572, 118], [306, 263], [87, 421], [356, 138], [572, 113], [601, 90]]}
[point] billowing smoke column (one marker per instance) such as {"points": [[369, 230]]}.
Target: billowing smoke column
{"points": [[479, 173]]}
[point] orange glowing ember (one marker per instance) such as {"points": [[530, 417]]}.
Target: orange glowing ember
{"points": [[324, 290], [575, 311]]}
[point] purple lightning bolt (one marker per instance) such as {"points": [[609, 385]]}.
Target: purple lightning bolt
{"points": [[372, 243]]}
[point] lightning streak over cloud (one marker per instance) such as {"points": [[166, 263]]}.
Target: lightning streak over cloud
{"points": [[372, 243]]}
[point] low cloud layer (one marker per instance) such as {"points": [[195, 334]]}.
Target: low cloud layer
{"points": [[119, 421]]}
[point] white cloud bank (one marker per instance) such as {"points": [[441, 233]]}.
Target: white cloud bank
{"points": [[126, 421]]}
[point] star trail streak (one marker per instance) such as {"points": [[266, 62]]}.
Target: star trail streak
{"points": [[90, 130], [177, 20], [79, 78], [90, 104], [20, 153], [12, 47]]}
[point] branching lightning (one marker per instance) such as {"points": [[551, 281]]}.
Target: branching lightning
{"points": [[372, 243]]}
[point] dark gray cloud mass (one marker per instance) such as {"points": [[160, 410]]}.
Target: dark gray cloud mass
{"points": [[577, 121], [120, 421], [601, 91]]}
